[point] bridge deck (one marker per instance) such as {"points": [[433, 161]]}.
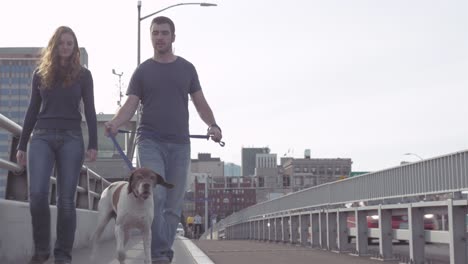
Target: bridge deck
{"points": [[244, 251]]}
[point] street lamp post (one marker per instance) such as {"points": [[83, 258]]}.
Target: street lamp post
{"points": [[152, 14], [413, 154], [119, 103]]}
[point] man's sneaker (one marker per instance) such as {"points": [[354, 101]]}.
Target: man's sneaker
{"points": [[39, 259]]}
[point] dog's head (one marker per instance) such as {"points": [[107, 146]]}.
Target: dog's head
{"points": [[143, 180]]}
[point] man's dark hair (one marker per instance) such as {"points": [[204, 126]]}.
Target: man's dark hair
{"points": [[164, 20]]}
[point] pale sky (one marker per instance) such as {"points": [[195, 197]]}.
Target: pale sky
{"points": [[368, 80]]}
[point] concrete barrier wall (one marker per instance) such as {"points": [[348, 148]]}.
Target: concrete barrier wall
{"points": [[16, 245]]}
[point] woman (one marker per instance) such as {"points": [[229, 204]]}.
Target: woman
{"points": [[54, 119]]}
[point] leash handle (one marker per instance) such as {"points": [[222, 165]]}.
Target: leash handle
{"points": [[221, 143], [125, 131], [119, 149]]}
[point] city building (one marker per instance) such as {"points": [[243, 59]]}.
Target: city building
{"points": [[268, 177], [231, 169], [308, 172], [203, 167], [224, 195], [249, 159], [16, 68], [205, 164]]}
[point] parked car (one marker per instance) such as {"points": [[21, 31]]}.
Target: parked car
{"points": [[431, 222], [180, 230], [398, 221]]}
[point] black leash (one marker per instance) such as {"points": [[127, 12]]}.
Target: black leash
{"points": [[207, 137]]}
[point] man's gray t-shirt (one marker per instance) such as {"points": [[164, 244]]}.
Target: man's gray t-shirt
{"points": [[163, 89]]}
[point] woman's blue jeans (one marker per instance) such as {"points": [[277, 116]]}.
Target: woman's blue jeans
{"points": [[65, 150], [172, 162]]}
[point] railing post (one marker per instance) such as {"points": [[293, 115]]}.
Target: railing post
{"points": [[278, 229], [416, 231], [323, 229], [17, 183], [457, 233], [82, 199], [331, 230], [342, 219], [315, 229], [386, 235], [284, 228], [304, 229], [294, 231], [362, 230]]}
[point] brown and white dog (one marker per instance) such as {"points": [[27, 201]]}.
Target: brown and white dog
{"points": [[131, 204]]}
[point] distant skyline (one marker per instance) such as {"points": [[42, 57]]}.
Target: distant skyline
{"points": [[361, 79]]}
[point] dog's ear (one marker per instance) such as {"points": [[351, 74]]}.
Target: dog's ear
{"points": [[130, 182], [160, 180]]}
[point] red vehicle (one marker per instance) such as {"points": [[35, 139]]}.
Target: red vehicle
{"points": [[398, 222]]}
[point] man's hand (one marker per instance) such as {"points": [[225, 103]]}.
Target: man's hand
{"points": [[110, 129], [21, 158], [215, 133]]}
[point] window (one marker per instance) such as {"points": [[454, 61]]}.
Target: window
{"points": [[298, 181]]}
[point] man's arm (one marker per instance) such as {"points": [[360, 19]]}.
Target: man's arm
{"points": [[205, 113], [124, 114]]}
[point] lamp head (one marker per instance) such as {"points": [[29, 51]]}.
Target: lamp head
{"points": [[208, 4]]}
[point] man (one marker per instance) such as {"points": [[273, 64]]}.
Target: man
{"points": [[189, 226], [163, 84], [198, 225]]}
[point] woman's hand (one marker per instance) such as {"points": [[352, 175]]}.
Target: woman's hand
{"points": [[91, 155], [21, 158]]}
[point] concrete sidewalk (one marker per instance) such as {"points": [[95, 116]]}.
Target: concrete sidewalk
{"points": [[185, 253], [245, 252]]}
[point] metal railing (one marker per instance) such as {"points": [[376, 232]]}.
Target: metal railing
{"points": [[320, 216], [424, 179], [90, 184]]}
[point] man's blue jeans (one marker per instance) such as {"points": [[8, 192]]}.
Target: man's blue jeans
{"points": [[172, 162], [65, 150]]}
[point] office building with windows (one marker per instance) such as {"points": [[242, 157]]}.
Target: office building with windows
{"points": [[249, 159]]}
